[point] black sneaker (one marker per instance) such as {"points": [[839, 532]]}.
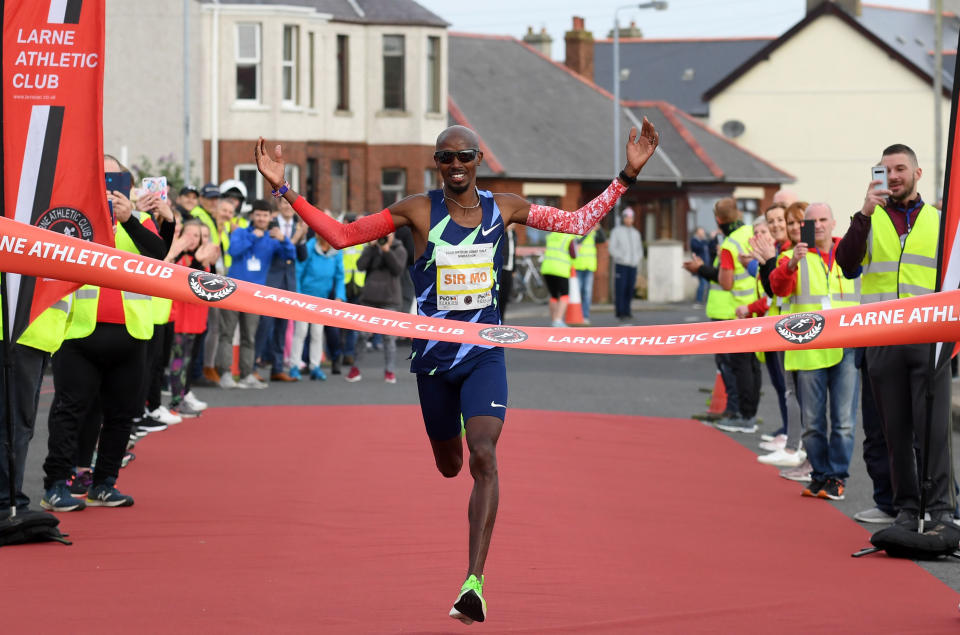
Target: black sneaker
{"points": [[813, 488], [80, 483], [907, 519], [832, 489]]}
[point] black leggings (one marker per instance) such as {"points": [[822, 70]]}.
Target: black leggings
{"points": [[108, 364]]}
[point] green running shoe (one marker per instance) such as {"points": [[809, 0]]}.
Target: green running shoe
{"points": [[470, 606]]}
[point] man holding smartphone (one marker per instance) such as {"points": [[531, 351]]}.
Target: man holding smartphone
{"points": [[902, 233], [810, 278]]}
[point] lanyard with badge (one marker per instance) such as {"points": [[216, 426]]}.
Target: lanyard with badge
{"points": [[827, 268], [464, 276]]}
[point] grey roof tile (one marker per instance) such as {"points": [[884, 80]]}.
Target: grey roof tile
{"points": [[675, 71], [538, 120]]}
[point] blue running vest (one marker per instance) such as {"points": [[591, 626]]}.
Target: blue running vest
{"points": [[431, 356]]}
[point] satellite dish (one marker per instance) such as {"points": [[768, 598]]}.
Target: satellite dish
{"points": [[732, 128]]}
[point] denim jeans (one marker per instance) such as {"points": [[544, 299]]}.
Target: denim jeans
{"points": [[585, 278], [829, 453]]}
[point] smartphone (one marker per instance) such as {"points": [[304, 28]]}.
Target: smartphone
{"points": [[156, 185], [879, 173], [119, 181], [808, 234]]}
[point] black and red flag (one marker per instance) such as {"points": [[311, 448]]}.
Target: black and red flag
{"points": [[52, 133]]}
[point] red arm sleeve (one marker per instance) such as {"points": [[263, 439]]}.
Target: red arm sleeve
{"points": [[339, 235], [782, 281], [579, 222], [726, 260]]}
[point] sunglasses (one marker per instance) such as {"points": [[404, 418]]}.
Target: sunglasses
{"points": [[464, 156]]}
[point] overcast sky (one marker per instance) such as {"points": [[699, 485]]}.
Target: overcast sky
{"points": [[683, 18]]}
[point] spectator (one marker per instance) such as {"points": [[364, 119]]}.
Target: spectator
{"points": [[101, 365], [251, 248], [320, 275], [341, 342], [700, 247], [626, 249], [506, 272], [894, 239], [383, 261], [186, 200], [556, 266], [732, 285], [272, 332], [813, 281], [189, 249], [585, 264]]}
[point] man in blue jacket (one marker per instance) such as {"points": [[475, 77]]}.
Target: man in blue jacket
{"points": [[252, 249]]}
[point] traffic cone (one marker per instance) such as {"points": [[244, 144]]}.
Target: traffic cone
{"points": [[718, 400], [574, 314]]}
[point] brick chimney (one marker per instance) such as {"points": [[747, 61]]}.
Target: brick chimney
{"points": [[540, 41], [852, 7], [579, 57]]}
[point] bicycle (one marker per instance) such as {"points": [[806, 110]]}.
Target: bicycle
{"points": [[527, 279]]}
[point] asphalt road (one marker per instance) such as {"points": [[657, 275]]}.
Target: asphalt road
{"points": [[631, 385]]}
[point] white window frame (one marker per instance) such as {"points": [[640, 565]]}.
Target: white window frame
{"points": [[312, 69], [401, 189], [289, 67], [434, 79], [256, 61], [403, 70], [344, 204], [258, 181], [291, 172]]}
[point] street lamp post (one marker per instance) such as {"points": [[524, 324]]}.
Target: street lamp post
{"points": [[659, 5]]}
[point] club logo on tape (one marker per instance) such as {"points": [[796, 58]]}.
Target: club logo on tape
{"points": [[800, 328], [210, 286], [67, 221], [503, 335]]}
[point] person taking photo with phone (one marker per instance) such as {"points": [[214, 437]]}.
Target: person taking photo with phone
{"points": [[893, 238]]}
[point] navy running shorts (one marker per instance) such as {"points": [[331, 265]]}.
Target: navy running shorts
{"points": [[474, 388]]}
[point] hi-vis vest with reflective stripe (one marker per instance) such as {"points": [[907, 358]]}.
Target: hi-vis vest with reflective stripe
{"points": [[721, 304], [235, 223], [137, 308], [586, 259], [46, 333], [556, 258], [205, 218], [351, 255], [816, 290], [891, 271]]}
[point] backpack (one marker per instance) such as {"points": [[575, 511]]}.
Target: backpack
{"points": [[30, 526]]}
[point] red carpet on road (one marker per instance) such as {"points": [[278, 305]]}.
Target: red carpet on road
{"points": [[335, 520]]}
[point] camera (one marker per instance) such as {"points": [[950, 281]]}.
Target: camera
{"points": [[382, 241]]}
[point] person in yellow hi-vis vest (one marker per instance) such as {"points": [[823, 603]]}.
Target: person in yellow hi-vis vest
{"points": [[894, 238], [556, 266], [102, 359], [813, 281], [731, 285], [28, 356], [586, 266]]}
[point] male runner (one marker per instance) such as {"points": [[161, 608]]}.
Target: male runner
{"points": [[457, 230]]}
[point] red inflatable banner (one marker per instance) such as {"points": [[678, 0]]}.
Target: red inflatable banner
{"points": [[53, 132], [37, 252]]}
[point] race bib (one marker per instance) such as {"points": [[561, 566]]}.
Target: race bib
{"points": [[464, 276]]}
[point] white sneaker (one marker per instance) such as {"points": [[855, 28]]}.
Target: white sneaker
{"points": [[782, 458], [194, 403], [777, 443], [227, 381], [250, 381], [873, 515], [163, 415]]}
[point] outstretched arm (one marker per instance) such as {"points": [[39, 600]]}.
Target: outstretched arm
{"points": [[337, 234], [639, 150]]}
